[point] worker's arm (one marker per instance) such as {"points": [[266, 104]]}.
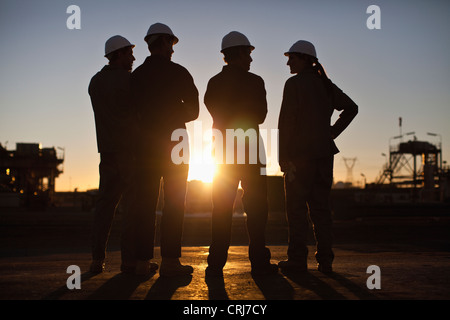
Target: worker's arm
{"points": [[349, 109]]}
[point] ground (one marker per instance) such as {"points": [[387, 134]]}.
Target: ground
{"points": [[413, 254]]}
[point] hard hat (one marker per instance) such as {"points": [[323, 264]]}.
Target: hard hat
{"points": [[304, 47], [115, 43], [235, 39], [158, 29]]}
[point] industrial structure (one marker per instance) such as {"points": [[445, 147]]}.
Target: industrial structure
{"points": [[27, 174], [417, 166]]}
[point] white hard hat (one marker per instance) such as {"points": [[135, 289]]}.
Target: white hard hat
{"points": [[235, 39], [304, 47], [115, 43], [158, 29]]}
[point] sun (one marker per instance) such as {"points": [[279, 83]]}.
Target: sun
{"points": [[202, 166], [202, 172]]}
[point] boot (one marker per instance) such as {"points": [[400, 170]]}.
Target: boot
{"points": [[97, 266], [145, 268], [171, 267]]}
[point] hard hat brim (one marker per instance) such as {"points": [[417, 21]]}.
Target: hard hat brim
{"points": [[132, 46], [251, 47], [291, 52], [147, 37]]}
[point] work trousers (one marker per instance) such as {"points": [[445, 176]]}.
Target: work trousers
{"points": [[310, 189], [114, 187], [225, 186], [148, 179]]}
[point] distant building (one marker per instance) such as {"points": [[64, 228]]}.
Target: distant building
{"points": [[27, 175]]}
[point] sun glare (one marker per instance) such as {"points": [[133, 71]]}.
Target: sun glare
{"points": [[201, 163], [202, 172]]}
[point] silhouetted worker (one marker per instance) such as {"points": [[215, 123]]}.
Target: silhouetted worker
{"points": [[306, 153], [236, 99], [110, 94], [165, 99]]}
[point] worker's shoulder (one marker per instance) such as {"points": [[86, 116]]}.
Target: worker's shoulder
{"points": [[178, 68], [96, 76], [108, 75], [224, 76], [109, 72], [255, 77], [139, 70], [302, 79], [217, 77], [293, 81]]}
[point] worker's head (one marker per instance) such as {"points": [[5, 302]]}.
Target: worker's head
{"points": [[238, 56], [302, 55], [236, 49], [161, 45], [299, 62], [160, 40], [119, 52]]}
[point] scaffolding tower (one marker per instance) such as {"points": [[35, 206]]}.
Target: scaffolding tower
{"points": [[413, 164]]}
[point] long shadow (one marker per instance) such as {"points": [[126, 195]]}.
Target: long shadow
{"points": [[164, 287], [361, 293], [274, 287], [314, 284], [58, 293], [119, 287], [216, 288]]}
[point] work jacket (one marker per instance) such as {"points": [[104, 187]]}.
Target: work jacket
{"points": [[236, 99], [165, 98], [305, 129], [110, 95]]}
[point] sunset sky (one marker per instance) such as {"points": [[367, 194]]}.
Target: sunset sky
{"points": [[400, 70]]}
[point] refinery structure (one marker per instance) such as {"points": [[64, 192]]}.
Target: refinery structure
{"points": [[27, 175], [416, 166]]}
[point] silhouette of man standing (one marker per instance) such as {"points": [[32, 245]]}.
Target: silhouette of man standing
{"points": [[236, 99], [110, 94], [165, 98], [306, 152]]}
